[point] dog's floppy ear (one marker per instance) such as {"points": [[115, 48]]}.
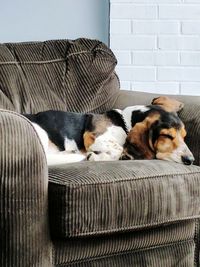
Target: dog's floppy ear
{"points": [[168, 104], [138, 138]]}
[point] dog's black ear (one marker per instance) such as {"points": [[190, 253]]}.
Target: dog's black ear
{"points": [[154, 133]]}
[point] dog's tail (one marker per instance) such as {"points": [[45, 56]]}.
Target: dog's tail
{"points": [[61, 158]]}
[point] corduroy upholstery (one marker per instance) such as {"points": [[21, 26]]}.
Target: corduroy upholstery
{"points": [[141, 213], [63, 75], [87, 248], [180, 254], [24, 236], [104, 198]]}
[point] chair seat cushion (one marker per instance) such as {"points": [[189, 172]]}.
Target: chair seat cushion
{"points": [[106, 197]]}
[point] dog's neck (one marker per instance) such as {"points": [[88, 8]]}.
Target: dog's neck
{"points": [[127, 114]]}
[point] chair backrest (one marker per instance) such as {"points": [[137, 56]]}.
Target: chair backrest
{"points": [[61, 74]]}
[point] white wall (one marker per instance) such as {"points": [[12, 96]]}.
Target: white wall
{"points": [[38, 20], [157, 43]]}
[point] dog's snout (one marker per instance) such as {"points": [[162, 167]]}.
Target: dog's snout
{"points": [[187, 160]]}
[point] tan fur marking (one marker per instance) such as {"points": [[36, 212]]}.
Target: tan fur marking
{"points": [[163, 156], [183, 132], [100, 123], [89, 139], [168, 104], [172, 132], [166, 145]]}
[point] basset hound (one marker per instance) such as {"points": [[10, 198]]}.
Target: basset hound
{"points": [[138, 132]]}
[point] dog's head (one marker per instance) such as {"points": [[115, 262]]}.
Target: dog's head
{"points": [[159, 135]]}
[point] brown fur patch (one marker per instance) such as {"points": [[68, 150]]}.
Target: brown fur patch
{"points": [[171, 132], [89, 139], [138, 135], [164, 145], [183, 132], [168, 104], [99, 125]]}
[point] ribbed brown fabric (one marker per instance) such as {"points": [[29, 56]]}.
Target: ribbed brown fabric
{"points": [[177, 255], [77, 249], [191, 117], [24, 239], [107, 197], [62, 75]]}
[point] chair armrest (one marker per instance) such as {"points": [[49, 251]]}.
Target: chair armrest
{"points": [[131, 98], [23, 195], [190, 114]]}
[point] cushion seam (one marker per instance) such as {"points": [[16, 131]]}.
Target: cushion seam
{"points": [[190, 240], [125, 180], [58, 59], [135, 227]]}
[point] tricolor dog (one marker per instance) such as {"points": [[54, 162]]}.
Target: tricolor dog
{"points": [[137, 132]]}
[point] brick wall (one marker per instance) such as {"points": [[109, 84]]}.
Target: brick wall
{"points": [[157, 44]]}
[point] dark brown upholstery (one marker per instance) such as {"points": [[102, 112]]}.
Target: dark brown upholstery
{"points": [[93, 247], [104, 198], [109, 214], [179, 254], [63, 75], [24, 236]]}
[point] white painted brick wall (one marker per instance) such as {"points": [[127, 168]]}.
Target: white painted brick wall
{"points": [[157, 44]]}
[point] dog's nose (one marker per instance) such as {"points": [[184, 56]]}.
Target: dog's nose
{"points": [[187, 160]]}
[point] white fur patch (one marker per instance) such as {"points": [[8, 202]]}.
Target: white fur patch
{"points": [[127, 113], [63, 158], [70, 145], [109, 145], [43, 136]]}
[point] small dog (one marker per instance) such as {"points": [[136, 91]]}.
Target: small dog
{"points": [[137, 132]]}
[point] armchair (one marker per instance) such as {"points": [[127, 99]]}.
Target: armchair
{"points": [[126, 213]]}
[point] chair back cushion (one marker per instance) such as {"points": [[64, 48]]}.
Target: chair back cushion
{"points": [[61, 74]]}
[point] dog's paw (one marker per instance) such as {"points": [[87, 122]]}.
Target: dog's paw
{"points": [[95, 156], [91, 156], [126, 157]]}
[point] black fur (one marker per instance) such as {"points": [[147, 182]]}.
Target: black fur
{"points": [[117, 119], [169, 118], [60, 124]]}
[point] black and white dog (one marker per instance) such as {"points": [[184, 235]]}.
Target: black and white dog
{"points": [[137, 132]]}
